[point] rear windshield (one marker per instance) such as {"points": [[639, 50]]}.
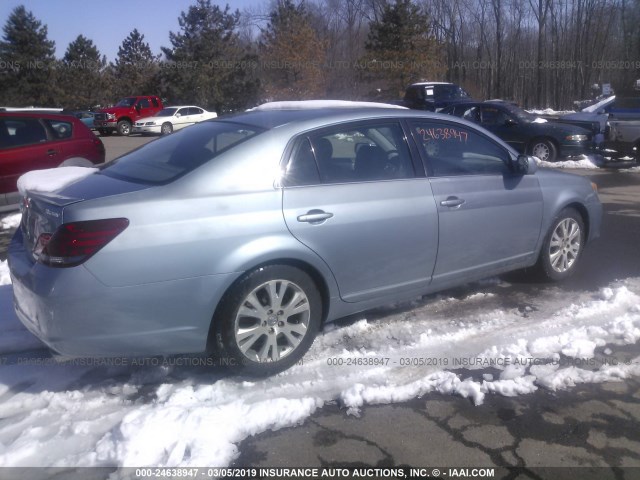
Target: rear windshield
{"points": [[163, 160]]}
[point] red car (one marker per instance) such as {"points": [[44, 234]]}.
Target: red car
{"points": [[36, 140]]}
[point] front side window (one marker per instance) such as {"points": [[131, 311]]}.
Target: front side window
{"points": [[183, 112], [354, 153], [170, 157], [166, 112], [126, 102], [143, 103], [453, 149]]}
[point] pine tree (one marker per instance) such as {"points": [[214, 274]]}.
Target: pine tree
{"points": [[135, 69], [80, 75], [28, 77], [293, 54], [400, 48], [207, 64]]}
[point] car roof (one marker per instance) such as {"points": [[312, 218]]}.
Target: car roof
{"points": [[431, 83], [269, 119], [183, 106], [38, 114]]}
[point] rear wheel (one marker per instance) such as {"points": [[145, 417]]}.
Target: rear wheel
{"points": [[268, 321], [544, 149], [562, 246]]}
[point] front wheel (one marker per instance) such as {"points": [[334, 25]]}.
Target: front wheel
{"points": [[562, 246], [124, 127], [269, 320], [166, 128], [544, 149]]}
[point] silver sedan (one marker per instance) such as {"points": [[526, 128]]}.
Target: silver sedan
{"points": [[243, 235]]}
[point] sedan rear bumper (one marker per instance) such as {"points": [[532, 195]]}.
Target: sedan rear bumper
{"points": [[76, 315]]}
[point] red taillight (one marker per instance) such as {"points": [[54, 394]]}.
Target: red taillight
{"points": [[98, 143], [73, 243]]}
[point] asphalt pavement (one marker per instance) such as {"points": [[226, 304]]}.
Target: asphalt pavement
{"points": [[591, 431]]}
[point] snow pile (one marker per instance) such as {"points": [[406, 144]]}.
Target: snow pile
{"points": [[550, 111], [52, 179], [79, 414], [5, 278], [314, 104], [584, 163], [10, 221]]}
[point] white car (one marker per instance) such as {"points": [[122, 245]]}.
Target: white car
{"points": [[172, 118]]}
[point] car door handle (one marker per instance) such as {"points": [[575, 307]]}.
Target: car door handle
{"points": [[52, 153], [452, 202], [315, 216]]}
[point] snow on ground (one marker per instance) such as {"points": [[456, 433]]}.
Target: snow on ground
{"points": [[10, 221], [181, 412], [584, 163], [5, 279], [550, 111]]}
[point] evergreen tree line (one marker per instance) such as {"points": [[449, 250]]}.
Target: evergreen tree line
{"points": [[535, 52]]}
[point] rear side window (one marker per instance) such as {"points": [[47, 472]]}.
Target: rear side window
{"points": [[17, 132], [60, 130], [453, 150], [155, 102], [351, 153], [170, 157]]}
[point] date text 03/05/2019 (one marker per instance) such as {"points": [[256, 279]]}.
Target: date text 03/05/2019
{"points": [[296, 473]]}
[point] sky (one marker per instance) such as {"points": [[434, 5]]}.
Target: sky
{"points": [[108, 23]]}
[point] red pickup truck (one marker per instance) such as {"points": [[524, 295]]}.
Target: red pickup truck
{"points": [[123, 114]]}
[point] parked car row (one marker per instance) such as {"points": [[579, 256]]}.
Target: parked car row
{"points": [[278, 220], [33, 140], [527, 133]]}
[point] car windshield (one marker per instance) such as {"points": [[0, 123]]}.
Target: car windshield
{"points": [[126, 102], [450, 92], [520, 114], [166, 112], [171, 157]]}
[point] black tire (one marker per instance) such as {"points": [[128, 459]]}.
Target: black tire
{"points": [[562, 247], [166, 128], [105, 133], [124, 127], [544, 149], [279, 338]]}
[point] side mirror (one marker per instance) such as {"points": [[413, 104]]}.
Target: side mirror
{"points": [[526, 165]]}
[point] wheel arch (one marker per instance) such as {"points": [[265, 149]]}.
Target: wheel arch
{"points": [[584, 213], [316, 276]]}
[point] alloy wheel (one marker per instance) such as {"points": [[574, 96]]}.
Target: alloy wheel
{"points": [[565, 245], [272, 321]]}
